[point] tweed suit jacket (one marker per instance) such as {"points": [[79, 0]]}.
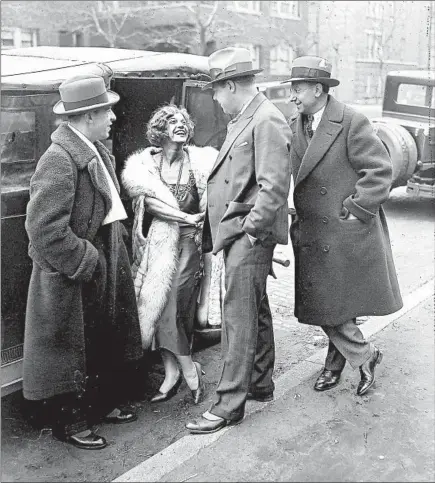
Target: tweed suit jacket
{"points": [[249, 183]]}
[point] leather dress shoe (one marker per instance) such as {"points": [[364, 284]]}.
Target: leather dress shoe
{"points": [[198, 393], [367, 371], [206, 426], [122, 418], [327, 380], [260, 397], [164, 396], [92, 441]]}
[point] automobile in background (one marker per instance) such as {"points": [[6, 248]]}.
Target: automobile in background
{"points": [[280, 95], [407, 129], [30, 79]]}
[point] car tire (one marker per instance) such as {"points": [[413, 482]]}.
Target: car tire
{"points": [[401, 148]]}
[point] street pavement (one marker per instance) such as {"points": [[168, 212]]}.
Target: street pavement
{"points": [[29, 454], [386, 435]]}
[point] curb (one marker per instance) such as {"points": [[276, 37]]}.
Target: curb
{"points": [[162, 463]]}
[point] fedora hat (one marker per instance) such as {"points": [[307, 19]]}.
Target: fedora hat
{"points": [[84, 93], [230, 63], [310, 68]]}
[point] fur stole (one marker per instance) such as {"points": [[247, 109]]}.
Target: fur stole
{"points": [[155, 258]]}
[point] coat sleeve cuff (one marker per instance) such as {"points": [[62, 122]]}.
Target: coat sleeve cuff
{"points": [[357, 210], [87, 266]]}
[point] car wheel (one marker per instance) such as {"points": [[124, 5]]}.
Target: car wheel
{"points": [[401, 148]]}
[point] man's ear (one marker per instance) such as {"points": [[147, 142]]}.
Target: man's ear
{"points": [[89, 117], [319, 90], [231, 85]]}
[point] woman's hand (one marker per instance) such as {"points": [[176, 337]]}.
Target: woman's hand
{"points": [[195, 220]]}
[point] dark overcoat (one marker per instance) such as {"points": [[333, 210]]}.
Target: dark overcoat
{"points": [[78, 275], [343, 268], [248, 186]]}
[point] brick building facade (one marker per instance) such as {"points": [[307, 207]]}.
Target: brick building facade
{"points": [[364, 40], [275, 32]]}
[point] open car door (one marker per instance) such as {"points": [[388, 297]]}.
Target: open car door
{"points": [[209, 118]]}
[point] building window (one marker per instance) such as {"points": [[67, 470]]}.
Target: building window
{"points": [[8, 39], [249, 7], [374, 44], [71, 39], [369, 86], [255, 53], [281, 58], [380, 86], [285, 9], [16, 38]]}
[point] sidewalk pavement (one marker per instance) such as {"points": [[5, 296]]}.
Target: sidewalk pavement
{"points": [[386, 435]]}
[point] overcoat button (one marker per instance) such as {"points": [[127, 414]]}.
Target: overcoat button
{"points": [[325, 219], [226, 205], [326, 248], [323, 190], [230, 156], [226, 181]]}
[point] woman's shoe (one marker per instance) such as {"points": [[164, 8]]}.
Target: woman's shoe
{"points": [[164, 396], [198, 394]]}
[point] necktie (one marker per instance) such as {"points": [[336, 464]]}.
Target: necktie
{"points": [[309, 125]]}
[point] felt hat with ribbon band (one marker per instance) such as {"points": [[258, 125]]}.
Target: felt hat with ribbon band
{"points": [[310, 68], [230, 63], [83, 93]]}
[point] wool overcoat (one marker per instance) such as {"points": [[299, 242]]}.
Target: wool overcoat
{"points": [[343, 268], [69, 199], [249, 183]]}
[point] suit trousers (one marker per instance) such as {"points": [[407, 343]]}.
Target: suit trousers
{"points": [[346, 343], [248, 348]]}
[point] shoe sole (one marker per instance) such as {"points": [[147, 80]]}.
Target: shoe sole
{"points": [[259, 399], [325, 388], [378, 361], [122, 421], [68, 441], [228, 423], [321, 389]]}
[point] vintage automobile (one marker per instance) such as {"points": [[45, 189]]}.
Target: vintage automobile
{"points": [[407, 129], [280, 95], [29, 81]]}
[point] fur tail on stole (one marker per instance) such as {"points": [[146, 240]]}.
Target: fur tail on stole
{"points": [[155, 262]]}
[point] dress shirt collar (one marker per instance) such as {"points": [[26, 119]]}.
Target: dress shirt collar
{"points": [[242, 110], [317, 116], [84, 139]]}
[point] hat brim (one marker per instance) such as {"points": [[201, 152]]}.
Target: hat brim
{"points": [[232, 76], [59, 107], [322, 80]]}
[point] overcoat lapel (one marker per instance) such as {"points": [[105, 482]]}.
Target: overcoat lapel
{"points": [[84, 157], [239, 126], [108, 160], [326, 133]]}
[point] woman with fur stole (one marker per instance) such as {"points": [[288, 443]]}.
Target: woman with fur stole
{"points": [[168, 181]]}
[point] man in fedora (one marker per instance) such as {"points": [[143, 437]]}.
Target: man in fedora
{"points": [[246, 216], [82, 328], [343, 260]]}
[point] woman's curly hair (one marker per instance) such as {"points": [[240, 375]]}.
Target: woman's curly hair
{"points": [[157, 127]]}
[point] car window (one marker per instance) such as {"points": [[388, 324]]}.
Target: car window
{"points": [[278, 93], [208, 117], [413, 95], [18, 148]]}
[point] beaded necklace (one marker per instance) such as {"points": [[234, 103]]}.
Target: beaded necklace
{"points": [[175, 190]]}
